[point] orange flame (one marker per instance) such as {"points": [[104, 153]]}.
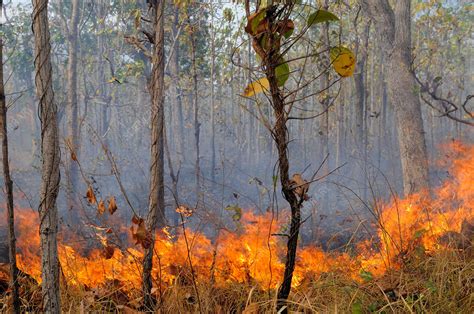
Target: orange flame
{"points": [[252, 255]]}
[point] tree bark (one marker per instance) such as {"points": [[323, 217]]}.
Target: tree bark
{"points": [[178, 129], [394, 27], [72, 109], [156, 210], [50, 160], [8, 187], [197, 124], [213, 113]]}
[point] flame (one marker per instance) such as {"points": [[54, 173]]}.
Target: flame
{"points": [[254, 255]]}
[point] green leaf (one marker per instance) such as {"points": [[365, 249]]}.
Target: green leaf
{"points": [[321, 16], [282, 73], [419, 233], [366, 275], [357, 308]]}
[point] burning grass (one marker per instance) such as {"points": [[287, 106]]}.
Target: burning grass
{"points": [[420, 261]]}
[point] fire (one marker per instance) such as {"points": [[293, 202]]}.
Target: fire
{"points": [[255, 255]]}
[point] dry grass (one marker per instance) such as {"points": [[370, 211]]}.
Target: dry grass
{"points": [[438, 283]]}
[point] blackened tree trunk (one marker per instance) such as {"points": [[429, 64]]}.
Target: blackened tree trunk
{"points": [[394, 27], [50, 160], [8, 186], [156, 210]]}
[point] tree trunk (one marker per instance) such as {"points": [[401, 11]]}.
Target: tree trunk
{"points": [[50, 160], [197, 125], [213, 113], [395, 31], [72, 109], [178, 131], [156, 210], [8, 187]]}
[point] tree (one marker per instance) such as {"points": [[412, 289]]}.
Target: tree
{"points": [[156, 209], [72, 105], [394, 27], [50, 159], [270, 29], [14, 286]]}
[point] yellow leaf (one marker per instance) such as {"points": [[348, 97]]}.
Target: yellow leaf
{"points": [[256, 87], [343, 61]]}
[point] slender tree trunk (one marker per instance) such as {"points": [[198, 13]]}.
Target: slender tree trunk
{"points": [[175, 90], [50, 160], [197, 124], [72, 108], [213, 113], [324, 119], [101, 72], [360, 81], [8, 186], [280, 136], [156, 210], [394, 28]]}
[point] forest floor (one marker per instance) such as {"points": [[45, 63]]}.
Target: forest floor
{"points": [[442, 282]]}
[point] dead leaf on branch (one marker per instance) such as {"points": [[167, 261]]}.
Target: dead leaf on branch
{"points": [[141, 235], [300, 186], [108, 251], [185, 211], [343, 60], [91, 196], [112, 205], [101, 207]]}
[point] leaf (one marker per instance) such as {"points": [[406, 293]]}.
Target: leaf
{"points": [[185, 211], [141, 235], [138, 17], [112, 205], [286, 28], [419, 233], [73, 155], [343, 61], [256, 23], [237, 212], [136, 220], [366, 275], [357, 308], [282, 73], [321, 16], [108, 252], [91, 196], [256, 87], [101, 207]]}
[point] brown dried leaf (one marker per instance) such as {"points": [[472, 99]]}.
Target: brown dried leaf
{"points": [[91, 196], [101, 207], [73, 156], [141, 236], [136, 220], [301, 186], [108, 252], [112, 205], [185, 211]]}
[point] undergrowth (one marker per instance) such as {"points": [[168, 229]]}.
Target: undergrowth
{"points": [[438, 283]]}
